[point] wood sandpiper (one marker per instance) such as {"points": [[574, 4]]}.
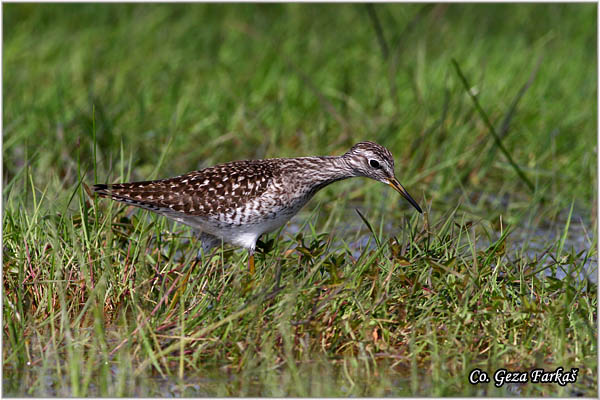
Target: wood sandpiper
{"points": [[237, 202]]}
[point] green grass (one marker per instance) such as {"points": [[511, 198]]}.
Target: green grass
{"points": [[101, 300]]}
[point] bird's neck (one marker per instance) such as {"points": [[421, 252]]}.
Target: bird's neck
{"points": [[323, 171]]}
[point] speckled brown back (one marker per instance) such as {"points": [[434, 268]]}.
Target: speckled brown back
{"points": [[208, 192]]}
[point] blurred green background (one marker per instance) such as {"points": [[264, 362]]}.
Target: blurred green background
{"points": [[202, 84]]}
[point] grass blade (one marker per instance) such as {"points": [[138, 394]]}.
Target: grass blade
{"points": [[491, 129], [368, 224]]}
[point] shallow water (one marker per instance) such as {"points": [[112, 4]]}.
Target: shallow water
{"points": [[316, 379], [529, 242], [319, 378]]}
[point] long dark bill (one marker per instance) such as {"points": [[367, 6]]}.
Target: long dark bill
{"points": [[400, 189]]}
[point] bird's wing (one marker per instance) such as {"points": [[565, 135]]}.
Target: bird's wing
{"points": [[210, 191]]}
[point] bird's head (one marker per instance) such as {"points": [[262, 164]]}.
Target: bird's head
{"points": [[376, 162]]}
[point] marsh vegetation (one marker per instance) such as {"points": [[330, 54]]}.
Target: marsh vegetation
{"points": [[492, 121]]}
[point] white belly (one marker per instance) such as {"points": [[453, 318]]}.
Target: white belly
{"points": [[244, 226], [237, 233]]}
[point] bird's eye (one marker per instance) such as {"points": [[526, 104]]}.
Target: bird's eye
{"points": [[374, 163]]}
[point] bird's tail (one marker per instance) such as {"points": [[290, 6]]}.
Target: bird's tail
{"points": [[140, 194]]}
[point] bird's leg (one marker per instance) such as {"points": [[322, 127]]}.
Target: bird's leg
{"points": [[208, 242], [251, 261]]}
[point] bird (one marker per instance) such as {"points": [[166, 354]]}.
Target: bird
{"points": [[238, 201]]}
